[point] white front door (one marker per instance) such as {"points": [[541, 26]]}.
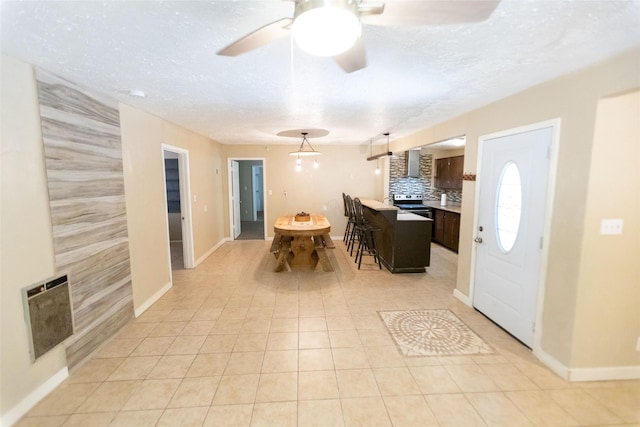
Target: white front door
{"points": [[235, 198], [513, 176]]}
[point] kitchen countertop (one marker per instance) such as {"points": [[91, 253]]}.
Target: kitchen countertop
{"points": [[379, 206], [401, 216], [450, 207]]}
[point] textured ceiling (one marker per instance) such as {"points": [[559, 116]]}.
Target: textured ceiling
{"points": [[416, 76]]}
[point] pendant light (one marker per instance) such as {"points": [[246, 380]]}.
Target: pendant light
{"points": [[377, 171], [385, 154], [305, 151]]}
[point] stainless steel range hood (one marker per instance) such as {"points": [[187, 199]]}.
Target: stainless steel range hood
{"points": [[413, 163]]}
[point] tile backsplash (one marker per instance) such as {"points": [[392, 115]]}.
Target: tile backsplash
{"points": [[400, 183]]}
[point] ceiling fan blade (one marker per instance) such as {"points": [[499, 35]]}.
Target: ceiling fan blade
{"points": [[258, 38], [369, 8], [432, 12], [354, 59]]}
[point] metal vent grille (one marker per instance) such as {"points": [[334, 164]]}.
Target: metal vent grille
{"points": [[48, 314]]}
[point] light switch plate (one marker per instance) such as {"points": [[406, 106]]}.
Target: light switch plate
{"points": [[611, 226]]}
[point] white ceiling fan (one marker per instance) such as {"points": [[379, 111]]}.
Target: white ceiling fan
{"points": [[332, 27]]}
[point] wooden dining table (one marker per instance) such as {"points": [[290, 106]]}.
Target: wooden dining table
{"points": [[302, 244]]}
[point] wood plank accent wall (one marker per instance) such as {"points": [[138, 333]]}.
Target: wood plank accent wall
{"points": [[83, 155]]}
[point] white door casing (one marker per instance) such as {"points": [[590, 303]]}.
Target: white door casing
{"points": [[256, 174], [188, 255], [510, 227], [235, 198], [232, 191]]}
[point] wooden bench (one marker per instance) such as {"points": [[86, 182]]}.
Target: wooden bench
{"points": [[281, 248], [321, 243], [328, 243]]}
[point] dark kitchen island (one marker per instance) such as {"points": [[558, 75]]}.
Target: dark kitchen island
{"points": [[404, 240]]}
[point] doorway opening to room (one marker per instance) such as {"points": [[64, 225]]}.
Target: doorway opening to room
{"points": [[427, 181], [178, 207], [247, 207]]}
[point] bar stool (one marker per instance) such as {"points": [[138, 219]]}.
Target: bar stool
{"points": [[366, 235], [352, 235], [348, 209]]}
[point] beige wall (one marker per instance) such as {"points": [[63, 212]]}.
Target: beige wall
{"points": [[25, 227], [608, 303], [342, 169], [142, 136], [573, 98]]}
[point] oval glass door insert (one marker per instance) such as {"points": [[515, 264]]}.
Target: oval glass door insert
{"points": [[508, 207]]}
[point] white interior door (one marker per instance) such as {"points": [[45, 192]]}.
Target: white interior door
{"points": [[169, 151], [235, 198], [513, 177], [256, 174]]}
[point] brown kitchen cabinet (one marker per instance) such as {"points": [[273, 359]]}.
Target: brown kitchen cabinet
{"points": [[449, 172], [446, 228]]}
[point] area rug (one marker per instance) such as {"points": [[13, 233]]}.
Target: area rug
{"points": [[432, 333]]}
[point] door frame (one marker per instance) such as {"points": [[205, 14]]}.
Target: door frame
{"points": [[555, 124], [185, 204], [254, 168], [230, 191]]}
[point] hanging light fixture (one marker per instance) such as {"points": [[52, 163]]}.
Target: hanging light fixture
{"points": [[302, 151], [326, 28], [385, 154], [377, 171]]}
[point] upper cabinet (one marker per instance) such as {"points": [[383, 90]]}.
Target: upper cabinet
{"points": [[449, 172]]}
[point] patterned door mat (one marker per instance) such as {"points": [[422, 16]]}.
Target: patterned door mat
{"points": [[432, 333]]}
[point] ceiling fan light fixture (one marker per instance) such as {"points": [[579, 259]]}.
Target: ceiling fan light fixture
{"points": [[326, 28]]}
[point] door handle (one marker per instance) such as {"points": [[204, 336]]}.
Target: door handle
{"points": [[478, 240]]}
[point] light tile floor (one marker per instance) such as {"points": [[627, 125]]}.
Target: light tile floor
{"points": [[235, 344]]}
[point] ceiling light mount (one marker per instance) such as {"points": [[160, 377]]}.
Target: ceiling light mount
{"points": [[385, 154], [305, 151]]}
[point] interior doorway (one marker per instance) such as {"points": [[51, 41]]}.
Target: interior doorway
{"points": [[178, 207], [247, 207]]}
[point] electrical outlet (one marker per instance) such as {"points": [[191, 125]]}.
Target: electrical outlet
{"points": [[611, 226], [271, 192], [205, 208]]}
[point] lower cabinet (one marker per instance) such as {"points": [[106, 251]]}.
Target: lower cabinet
{"points": [[446, 229]]}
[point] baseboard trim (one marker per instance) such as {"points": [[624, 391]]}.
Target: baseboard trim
{"points": [[14, 414], [155, 297], [605, 374], [462, 297], [210, 251], [552, 363]]}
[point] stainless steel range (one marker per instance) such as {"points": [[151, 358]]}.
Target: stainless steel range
{"points": [[413, 204]]}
